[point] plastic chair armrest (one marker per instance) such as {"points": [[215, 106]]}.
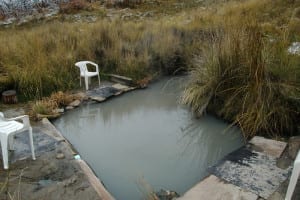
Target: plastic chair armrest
{"points": [[24, 118], [94, 64]]}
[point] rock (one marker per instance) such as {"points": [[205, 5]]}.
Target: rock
{"points": [[70, 182], [120, 87], [60, 156], [75, 103], [294, 48], [58, 110], [69, 107], [143, 83], [166, 194], [82, 96], [102, 93], [98, 99]]}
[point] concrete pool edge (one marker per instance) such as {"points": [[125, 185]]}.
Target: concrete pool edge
{"points": [[93, 179], [215, 187]]}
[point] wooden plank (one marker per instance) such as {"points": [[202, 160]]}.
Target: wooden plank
{"points": [[95, 182]]}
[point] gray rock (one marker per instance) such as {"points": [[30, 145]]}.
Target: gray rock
{"points": [[69, 107], [75, 103], [98, 99], [58, 110], [294, 48], [167, 194], [60, 156]]}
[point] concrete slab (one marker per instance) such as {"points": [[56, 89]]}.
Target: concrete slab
{"points": [[253, 171], [46, 177], [270, 147], [214, 188]]}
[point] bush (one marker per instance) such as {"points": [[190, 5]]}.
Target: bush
{"points": [[73, 6], [123, 3], [245, 78]]}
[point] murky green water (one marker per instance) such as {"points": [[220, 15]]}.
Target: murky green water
{"points": [[146, 138]]}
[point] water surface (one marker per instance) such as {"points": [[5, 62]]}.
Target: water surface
{"points": [[146, 138]]}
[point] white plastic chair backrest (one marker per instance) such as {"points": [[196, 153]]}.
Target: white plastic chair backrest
{"points": [[82, 66]]}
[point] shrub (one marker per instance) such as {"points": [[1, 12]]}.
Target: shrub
{"points": [[73, 6], [122, 3], [248, 80]]}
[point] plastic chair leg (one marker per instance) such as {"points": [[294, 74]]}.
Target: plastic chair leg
{"points": [[31, 143], [294, 178], [86, 79], [99, 79], [11, 142], [4, 141]]}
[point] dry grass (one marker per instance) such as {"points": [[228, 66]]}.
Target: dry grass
{"points": [[48, 106], [41, 60], [240, 74], [249, 80]]}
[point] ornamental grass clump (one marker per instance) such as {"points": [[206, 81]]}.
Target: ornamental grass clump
{"points": [[248, 79]]}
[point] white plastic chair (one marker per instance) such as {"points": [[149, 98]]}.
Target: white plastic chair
{"points": [[87, 74], [294, 178], [10, 127]]}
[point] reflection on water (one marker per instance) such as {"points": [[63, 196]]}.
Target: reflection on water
{"points": [[147, 135]]}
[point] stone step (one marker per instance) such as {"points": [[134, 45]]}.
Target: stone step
{"points": [[247, 173], [213, 188]]}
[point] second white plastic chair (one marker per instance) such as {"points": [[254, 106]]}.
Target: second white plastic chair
{"points": [[10, 127], [294, 178], [86, 74]]}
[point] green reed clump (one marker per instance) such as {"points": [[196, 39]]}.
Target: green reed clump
{"points": [[249, 80]]}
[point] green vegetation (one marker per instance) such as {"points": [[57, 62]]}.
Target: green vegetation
{"points": [[237, 51]]}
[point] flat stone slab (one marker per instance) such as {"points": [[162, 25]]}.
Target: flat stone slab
{"points": [[102, 93], [213, 188], [270, 147], [42, 143], [251, 170], [119, 86], [50, 176]]}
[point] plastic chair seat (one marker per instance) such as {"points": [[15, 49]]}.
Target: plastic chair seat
{"points": [[89, 74], [10, 127]]}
